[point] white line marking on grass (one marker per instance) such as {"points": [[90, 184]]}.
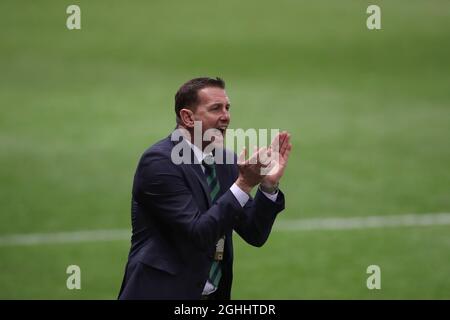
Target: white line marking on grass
{"points": [[405, 220], [64, 237]]}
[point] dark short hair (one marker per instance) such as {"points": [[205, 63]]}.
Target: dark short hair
{"points": [[187, 97]]}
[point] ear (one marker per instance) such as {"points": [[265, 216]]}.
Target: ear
{"points": [[187, 118]]}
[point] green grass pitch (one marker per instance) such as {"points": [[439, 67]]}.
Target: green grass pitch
{"points": [[369, 114]]}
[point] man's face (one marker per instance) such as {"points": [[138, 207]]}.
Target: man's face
{"points": [[213, 110]]}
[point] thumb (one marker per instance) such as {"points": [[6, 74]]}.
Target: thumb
{"points": [[242, 156]]}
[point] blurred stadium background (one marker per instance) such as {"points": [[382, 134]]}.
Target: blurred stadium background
{"points": [[369, 113]]}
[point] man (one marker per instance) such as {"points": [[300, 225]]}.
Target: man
{"points": [[183, 214]]}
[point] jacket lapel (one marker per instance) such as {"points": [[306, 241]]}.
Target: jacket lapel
{"points": [[193, 169], [198, 172]]}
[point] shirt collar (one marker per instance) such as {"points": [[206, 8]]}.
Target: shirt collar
{"points": [[199, 154]]}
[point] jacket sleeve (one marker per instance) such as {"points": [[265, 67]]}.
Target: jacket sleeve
{"points": [[259, 215]]}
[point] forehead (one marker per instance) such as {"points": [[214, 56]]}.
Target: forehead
{"points": [[210, 95]]}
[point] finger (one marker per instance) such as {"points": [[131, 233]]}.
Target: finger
{"points": [[285, 144], [284, 139], [278, 141], [255, 156], [265, 156], [275, 145], [242, 156], [284, 135], [252, 159], [287, 152]]}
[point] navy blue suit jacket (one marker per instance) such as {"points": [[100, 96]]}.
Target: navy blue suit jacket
{"points": [[175, 227]]}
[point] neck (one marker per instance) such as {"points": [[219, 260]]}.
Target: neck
{"points": [[188, 134]]}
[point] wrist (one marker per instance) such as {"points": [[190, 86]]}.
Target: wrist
{"points": [[269, 188], [243, 186]]}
